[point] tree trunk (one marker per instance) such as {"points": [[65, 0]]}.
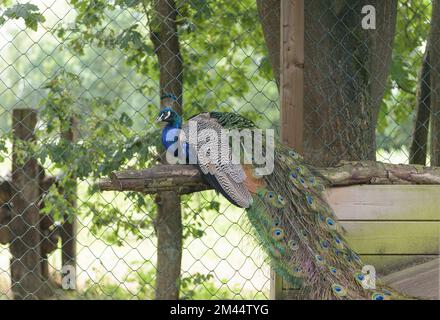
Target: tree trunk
{"points": [[269, 12], [435, 83], [69, 228], [26, 261], [169, 218], [419, 143], [345, 73], [346, 69]]}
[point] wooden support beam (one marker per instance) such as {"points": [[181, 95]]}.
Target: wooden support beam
{"points": [[6, 195], [292, 73], [26, 280], [69, 227], [291, 89]]}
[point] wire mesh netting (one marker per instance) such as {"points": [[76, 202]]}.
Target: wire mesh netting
{"points": [[80, 87]]}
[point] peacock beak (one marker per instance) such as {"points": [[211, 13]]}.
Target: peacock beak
{"points": [[159, 118]]}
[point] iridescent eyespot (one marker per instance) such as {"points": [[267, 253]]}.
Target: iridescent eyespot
{"points": [[338, 290], [293, 175], [312, 181], [277, 233], [294, 155], [303, 235], [293, 244], [325, 244], [280, 202], [309, 199], [297, 270], [330, 223], [319, 259], [360, 277], [333, 270], [377, 296]]}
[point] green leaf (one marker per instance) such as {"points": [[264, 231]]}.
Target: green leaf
{"points": [[27, 11]]}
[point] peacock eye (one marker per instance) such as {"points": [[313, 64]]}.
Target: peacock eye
{"points": [[333, 270], [293, 245], [331, 223], [277, 233], [377, 296], [338, 290], [359, 277]]}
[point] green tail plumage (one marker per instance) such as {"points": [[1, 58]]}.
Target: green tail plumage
{"points": [[299, 230], [302, 237]]}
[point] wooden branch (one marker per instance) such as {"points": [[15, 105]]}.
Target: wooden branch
{"points": [[372, 172], [187, 178], [180, 178]]}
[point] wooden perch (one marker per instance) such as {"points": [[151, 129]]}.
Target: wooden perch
{"points": [[187, 178], [180, 178]]}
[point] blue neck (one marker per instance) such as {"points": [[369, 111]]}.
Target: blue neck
{"points": [[168, 136]]}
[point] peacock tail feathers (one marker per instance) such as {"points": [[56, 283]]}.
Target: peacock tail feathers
{"points": [[301, 234]]}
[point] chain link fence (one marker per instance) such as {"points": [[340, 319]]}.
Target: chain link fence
{"points": [[80, 87]]}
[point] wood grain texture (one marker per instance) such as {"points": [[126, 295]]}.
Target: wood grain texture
{"points": [[386, 202], [187, 178], [26, 282], [292, 73], [389, 237], [421, 280], [395, 228]]}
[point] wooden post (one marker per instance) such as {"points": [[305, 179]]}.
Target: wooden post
{"points": [[26, 281], [68, 230], [291, 90], [292, 73]]}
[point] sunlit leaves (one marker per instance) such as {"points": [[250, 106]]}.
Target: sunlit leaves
{"points": [[26, 11]]}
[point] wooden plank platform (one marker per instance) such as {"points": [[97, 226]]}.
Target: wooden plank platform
{"points": [[395, 228], [421, 280], [390, 226]]}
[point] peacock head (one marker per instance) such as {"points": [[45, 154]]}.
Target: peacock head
{"points": [[167, 114]]}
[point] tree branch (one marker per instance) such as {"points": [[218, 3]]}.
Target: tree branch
{"points": [[187, 178]]}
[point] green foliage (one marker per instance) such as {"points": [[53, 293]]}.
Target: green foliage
{"points": [[140, 284], [400, 98], [26, 11]]}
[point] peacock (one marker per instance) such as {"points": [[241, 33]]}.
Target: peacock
{"points": [[294, 224]]}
